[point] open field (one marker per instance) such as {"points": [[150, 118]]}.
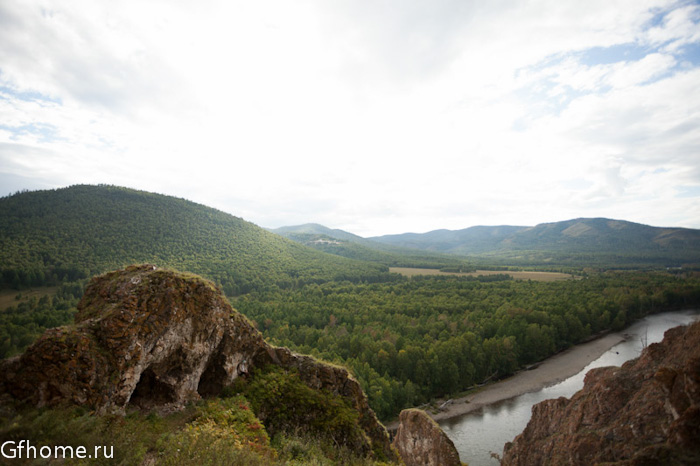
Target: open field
{"points": [[538, 276], [8, 297]]}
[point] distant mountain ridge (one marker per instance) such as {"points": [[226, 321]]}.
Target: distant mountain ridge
{"points": [[577, 242], [479, 239], [345, 244], [593, 238]]}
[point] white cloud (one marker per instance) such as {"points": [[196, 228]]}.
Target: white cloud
{"points": [[376, 116], [678, 28]]}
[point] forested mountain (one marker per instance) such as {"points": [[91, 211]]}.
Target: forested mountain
{"points": [[343, 243], [66, 234], [583, 241], [472, 240]]}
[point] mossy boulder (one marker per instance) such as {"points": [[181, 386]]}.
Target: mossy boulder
{"points": [[153, 339]]}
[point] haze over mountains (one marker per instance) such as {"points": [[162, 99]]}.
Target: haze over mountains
{"points": [[577, 241], [578, 235], [343, 243]]}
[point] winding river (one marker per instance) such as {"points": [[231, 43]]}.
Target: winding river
{"points": [[486, 430]]}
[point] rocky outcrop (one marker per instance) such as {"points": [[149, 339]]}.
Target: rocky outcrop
{"points": [[645, 412], [421, 442], [156, 339]]}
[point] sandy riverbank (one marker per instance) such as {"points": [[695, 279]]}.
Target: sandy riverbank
{"points": [[550, 372]]}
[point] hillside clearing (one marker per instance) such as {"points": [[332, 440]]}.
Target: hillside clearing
{"points": [[517, 275], [9, 297]]}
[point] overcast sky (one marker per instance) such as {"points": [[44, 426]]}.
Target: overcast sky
{"points": [[373, 116]]}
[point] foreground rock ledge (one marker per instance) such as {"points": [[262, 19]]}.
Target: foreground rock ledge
{"points": [[645, 412], [149, 338], [421, 442]]}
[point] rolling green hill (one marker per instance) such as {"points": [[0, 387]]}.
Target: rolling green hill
{"points": [[50, 236], [583, 241]]}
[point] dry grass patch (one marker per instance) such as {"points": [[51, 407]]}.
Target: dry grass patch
{"points": [[537, 276], [8, 298]]}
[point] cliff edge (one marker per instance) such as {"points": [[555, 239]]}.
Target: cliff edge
{"points": [[145, 338], [645, 412]]}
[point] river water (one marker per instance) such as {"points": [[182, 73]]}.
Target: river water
{"points": [[478, 433]]}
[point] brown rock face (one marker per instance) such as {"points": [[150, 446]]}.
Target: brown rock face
{"points": [[421, 442], [149, 338], [645, 412]]}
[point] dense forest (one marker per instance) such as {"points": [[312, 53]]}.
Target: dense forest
{"points": [[415, 339]]}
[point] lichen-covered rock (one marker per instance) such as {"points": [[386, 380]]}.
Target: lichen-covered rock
{"points": [[421, 442], [645, 412], [142, 337], [149, 338]]}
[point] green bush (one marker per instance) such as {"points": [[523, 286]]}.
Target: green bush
{"points": [[286, 404]]}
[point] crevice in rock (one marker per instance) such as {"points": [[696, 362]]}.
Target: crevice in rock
{"points": [[151, 391], [211, 382]]}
